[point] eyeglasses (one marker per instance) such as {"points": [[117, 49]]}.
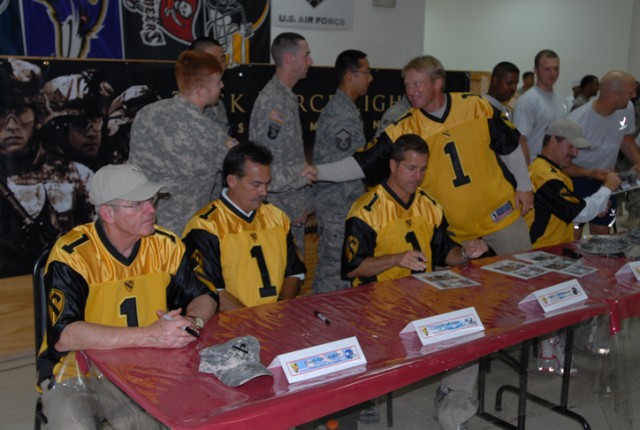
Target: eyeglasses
{"points": [[22, 116], [84, 122], [366, 72], [137, 206]]}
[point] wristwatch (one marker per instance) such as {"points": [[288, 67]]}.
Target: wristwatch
{"points": [[198, 322]]}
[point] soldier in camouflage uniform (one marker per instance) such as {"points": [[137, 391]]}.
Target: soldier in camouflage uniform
{"points": [[393, 113], [275, 123], [340, 132], [73, 128], [41, 195], [218, 111], [176, 144]]}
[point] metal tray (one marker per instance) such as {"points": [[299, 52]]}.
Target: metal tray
{"points": [[604, 244]]}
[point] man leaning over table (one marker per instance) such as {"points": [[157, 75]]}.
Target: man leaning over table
{"points": [[555, 205], [240, 244], [109, 285]]}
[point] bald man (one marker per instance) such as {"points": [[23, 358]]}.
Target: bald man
{"points": [[608, 123]]}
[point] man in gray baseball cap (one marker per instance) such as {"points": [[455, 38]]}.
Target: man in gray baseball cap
{"points": [[556, 206], [569, 130], [120, 281], [121, 182]]}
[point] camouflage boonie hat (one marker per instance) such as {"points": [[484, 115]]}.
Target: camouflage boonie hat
{"points": [[234, 362]]}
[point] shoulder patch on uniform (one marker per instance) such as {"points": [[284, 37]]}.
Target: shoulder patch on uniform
{"points": [[275, 115], [569, 196], [343, 140], [273, 131], [351, 247], [56, 304]]}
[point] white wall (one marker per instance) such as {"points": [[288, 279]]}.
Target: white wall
{"points": [[634, 48], [390, 36], [590, 36]]}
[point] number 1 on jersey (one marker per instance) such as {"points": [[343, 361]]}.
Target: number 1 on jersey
{"points": [[460, 179], [129, 309], [267, 289], [412, 240]]}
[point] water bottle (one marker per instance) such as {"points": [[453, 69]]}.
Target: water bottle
{"points": [[547, 360]]}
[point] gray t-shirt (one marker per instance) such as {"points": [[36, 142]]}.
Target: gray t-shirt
{"points": [[535, 110], [604, 134]]}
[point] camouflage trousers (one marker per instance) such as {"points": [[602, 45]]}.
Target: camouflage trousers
{"points": [[295, 204], [331, 230]]}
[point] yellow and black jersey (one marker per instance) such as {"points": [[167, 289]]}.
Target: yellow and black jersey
{"points": [[555, 205], [379, 223], [465, 174], [87, 279], [248, 257]]}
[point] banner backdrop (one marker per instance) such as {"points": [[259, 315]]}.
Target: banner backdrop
{"points": [[133, 29], [60, 120], [11, 28], [316, 14]]}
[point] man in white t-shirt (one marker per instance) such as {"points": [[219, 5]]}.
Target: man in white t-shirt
{"points": [[540, 106]]}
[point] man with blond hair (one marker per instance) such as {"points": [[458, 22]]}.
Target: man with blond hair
{"points": [[476, 169], [477, 173]]}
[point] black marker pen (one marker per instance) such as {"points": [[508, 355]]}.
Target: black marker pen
{"points": [[322, 317], [188, 329]]}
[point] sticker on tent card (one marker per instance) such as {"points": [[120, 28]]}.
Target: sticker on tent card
{"points": [[631, 267], [320, 360], [557, 296], [446, 326]]}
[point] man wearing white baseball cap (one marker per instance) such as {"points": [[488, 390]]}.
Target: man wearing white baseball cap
{"points": [[556, 208], [120, 281], [555, 205]]}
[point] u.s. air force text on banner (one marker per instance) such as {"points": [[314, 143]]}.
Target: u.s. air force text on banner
{"points": [[317, 14]]}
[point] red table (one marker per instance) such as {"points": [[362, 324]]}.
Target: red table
{"points": [[167, 383], [622, 295]]}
